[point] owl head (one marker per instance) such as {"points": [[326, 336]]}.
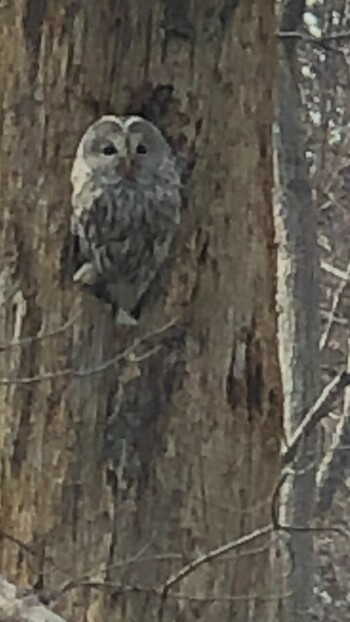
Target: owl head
{"points": [[122, 147]]}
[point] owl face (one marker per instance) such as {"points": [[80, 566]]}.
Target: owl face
{"points": [[130, 148]]}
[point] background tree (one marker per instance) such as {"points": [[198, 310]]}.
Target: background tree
{"points": [[319, 40], [324, 62], [298, 296], [127, 453]]}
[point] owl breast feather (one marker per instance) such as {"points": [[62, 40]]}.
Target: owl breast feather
{"points": [[126, 230]]}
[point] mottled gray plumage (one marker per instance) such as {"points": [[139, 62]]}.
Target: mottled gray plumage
{"points": [[126, 208]]}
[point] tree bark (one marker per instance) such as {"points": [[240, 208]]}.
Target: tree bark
{"points": [[298, 301], [116, 472]]}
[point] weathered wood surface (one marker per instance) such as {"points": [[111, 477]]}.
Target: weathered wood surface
{"points": [[168, 456]]}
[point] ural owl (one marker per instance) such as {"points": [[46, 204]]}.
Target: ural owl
{"points": [[126, 208]]}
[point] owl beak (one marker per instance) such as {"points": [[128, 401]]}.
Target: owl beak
{"points": [[126, 167]]}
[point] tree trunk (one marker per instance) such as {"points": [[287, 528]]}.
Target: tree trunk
{"points": [[298, 301], [115, 472]]}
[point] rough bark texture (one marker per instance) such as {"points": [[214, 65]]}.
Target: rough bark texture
{"points": [[174, 449], [298, 298]]}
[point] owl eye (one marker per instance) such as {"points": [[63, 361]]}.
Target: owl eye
{"points": [[141, 149], [109, 150]]}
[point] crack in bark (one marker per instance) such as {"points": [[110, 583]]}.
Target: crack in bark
{"points": [[33, 18]]}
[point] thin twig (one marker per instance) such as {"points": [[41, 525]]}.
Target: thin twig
{"points": [[230, 598], [340, 274], [63, 373], [212, 555], [335, 303], [22, 545], [191, 567], [19, 343], [69, 372], [120, 588], [322, 42], [317, 411], [297, 34], [298, 528], [332, 468], [275, 498]]}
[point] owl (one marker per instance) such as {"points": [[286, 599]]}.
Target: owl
{"points": [[126, 209]]}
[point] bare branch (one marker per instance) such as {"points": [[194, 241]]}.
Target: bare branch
{"points": [[212, 555], [335, 303], [332, 467], [19, 343], [297, 34], [340, 274], [63, 373], [317, 411], [19, 543], [119, 588], [128, 353], [298, 528], [321, 42], [229, 598]]}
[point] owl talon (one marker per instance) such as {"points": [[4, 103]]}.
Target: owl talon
{"points": [[122, 317], [86, 274]]}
